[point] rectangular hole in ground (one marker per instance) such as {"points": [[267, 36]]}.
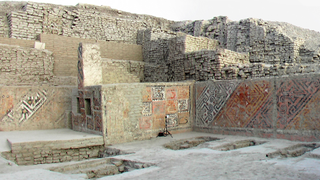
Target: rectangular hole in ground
{"points": [[293, 151], [189, 143], [238, 145]]}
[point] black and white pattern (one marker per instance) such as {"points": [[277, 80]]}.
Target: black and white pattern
{"points": [[26, 108], [183, 105], [147, 109], [211, 100], [158, 93]]}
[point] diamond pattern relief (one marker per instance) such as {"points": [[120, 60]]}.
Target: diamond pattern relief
{"points": [[292, 96], [246, 101], [211, 100]]}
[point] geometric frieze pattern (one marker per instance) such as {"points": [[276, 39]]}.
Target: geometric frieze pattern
{"points": [[158, 93], [284, 104], [26, 108], [183, 105], [147, 109], [211, 100], [292, 96], [161, 102], [172, 120], [245, 104]]}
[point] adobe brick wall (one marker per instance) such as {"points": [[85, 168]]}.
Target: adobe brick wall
{"points": [[120, 51], [25, 66], [47, 152], [17, 42], [138, 111], [65, 52], [121, 71], [285, 107], [85, 21], [134, 111]]}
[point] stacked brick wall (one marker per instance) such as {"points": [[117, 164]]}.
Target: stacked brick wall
{"points": [[215, 28], [65, 53], [17, 42], [4, 27], [266, 42], [256, 70], [30, 153], [119, 71], [81, 21], [24, 25], [166, 59], [273, 108], [120, 51], [34, 108], [197, 58], [205, 65], [155, 55], [24, 66]]}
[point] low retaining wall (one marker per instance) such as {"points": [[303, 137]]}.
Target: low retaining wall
{"points": [[45, 152], [285, 107]]}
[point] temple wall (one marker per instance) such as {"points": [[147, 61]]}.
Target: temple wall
{"points": [[66, 57], [121, 71], [133, 111], [34, 107], [285, 108]]}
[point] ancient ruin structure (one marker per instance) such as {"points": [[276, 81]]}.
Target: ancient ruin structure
{"points": [[103, 71]]}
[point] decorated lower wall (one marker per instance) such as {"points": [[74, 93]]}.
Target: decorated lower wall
{"points": [[285, 108], [133, 111], [34, 108]]}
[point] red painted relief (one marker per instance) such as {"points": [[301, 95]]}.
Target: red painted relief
{"points": [[242, 106], [292, 97], [145, 122]]}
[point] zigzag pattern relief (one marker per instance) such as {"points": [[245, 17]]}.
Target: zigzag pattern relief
{"points": [[26, 108], [211, 100]]}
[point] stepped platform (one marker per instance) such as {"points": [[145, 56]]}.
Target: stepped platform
{"points": [[49, 146]]}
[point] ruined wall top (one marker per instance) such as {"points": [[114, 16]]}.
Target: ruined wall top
{"points": [[269, 45]]}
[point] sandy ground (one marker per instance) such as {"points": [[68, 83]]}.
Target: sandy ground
{"points": [[201, 162]]}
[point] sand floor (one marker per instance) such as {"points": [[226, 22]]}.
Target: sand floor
{"points": [[201, 162]]}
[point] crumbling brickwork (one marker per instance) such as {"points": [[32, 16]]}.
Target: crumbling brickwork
{"points": [[120, 71], [47, 152], [25, 66], [82, 21], [66, 56]]}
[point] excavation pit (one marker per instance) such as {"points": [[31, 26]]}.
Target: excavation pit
{"points": [[102, 167], [238, 145], [189, 143], [109, 152], [293, 151]]}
